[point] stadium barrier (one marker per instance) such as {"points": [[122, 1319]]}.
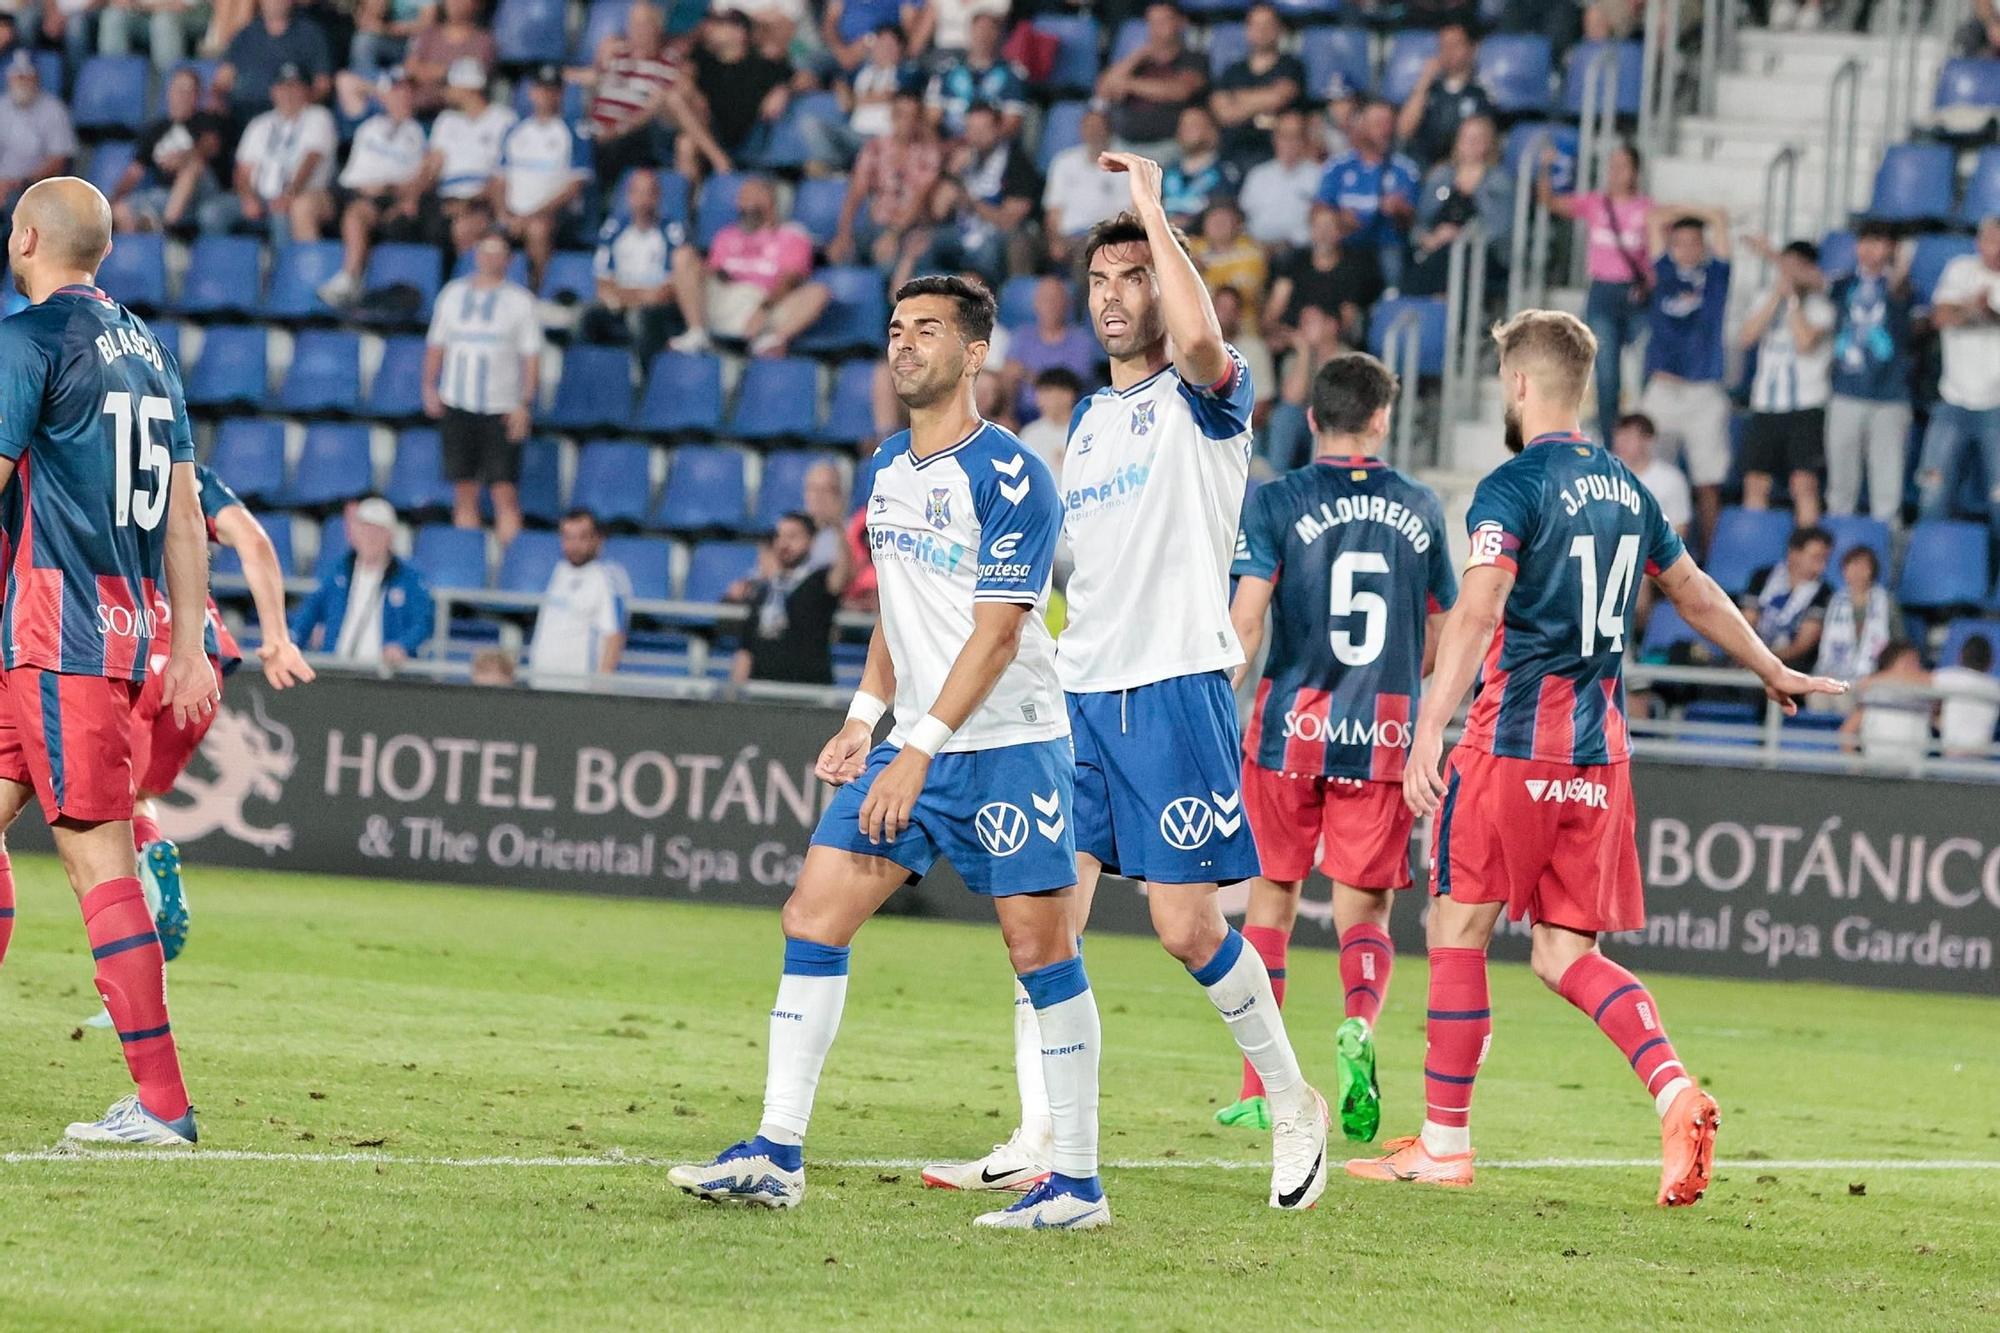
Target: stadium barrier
{"points": [[1750, 872]]}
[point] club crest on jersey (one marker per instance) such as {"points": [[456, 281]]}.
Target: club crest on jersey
{"points": [[937, 508], [1143, 417]]}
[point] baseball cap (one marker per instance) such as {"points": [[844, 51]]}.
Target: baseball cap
{"points": [[289, 73], [465, 72], [376, 510]]}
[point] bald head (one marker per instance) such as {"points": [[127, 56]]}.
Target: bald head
{"points": [[61, 226]]}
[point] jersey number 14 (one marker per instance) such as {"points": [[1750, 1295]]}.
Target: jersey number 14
{"points": [[135, 449], [1604, 615]]}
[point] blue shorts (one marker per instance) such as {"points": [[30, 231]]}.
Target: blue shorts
{"points": [[1157, 773], [1000, 816]]}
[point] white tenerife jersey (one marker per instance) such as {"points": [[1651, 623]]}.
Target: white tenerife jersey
{"points": [[1153, 482], [975, 523]]}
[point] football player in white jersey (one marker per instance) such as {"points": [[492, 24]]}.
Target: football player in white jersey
{"points": [[963, 522], [1153, 481]]}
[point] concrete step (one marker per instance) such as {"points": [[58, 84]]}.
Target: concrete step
{"points": [[1756, 99], [1818, 54]]}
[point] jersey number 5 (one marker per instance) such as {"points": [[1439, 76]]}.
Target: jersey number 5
{"points": [[134, 448], [1345, 601], [1605, 616]]}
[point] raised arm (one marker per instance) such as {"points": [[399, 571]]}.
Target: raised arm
{"points": [[1192, 328]]}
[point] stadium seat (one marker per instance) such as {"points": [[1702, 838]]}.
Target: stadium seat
{"points": [[221, 276], [1982, 190], [528, 561], [517, 268], [788, 149], [716, 208], [167, 333], [705, 491], [541, 482], [416, 483], [683, 395], [333, 546], [857, 316], [1968, 82], [335, 466], [1227, 44], [1335, 52], [110, 95], [108, 161], [1944, 566], [777, 399], [1666, 630], [397, 391], [1716, 712], [1528, 135], [405, 262], [1811, 731], [1131, 35], [603, 18], [713, 566], [1962, 629], [530, 32], [571, 277], [1016, 298], [613, 481], [1515, 69], [1629, 67], [278, 527], [1430, 315], [648, 562], [53, 70], [1928, 259], [1409, 49], [850, 413], [782, 488], [249, 454], [135, 272], [450, 557], [1746, 540], [1915, 183], [595, 390], [1062, 128], [1212, 8], [1836, 254], [816, 206], [231, 369], [325, 374], [1852, 530], [1076, 65], [297, 272]]}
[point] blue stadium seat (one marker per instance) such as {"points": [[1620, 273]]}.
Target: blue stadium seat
{"points": [[249, 454], [1745, 541], [450, 557], [416, 478], [1131, 35], [1576, 66], [530, 32], [595, 390], [1852, 530], [1515, 69], [713, 566], [1956, 634], [397, 391], [231, 369], [517, 268], [1408, 50], [782, 488], [1076, 64], [1836, 254], [1335, 52], [1915, 183], [297, 272], [570, 274], [1206, 8], [1716, 712], [221, 276], [1430, 315], [1811, 731], [135, 272], [54, 72], [778, 398], [613, 482], [333, 546], [1968, 82], [405, 262], [1016, 298], [110, 95], [1945, 566], [705, 491], [602, 19], [541, 481], [788, 148], [278, 527], [683, 395], [1311, 11], [107, 164], [325, 374], [167, 333], [1928, 259], [335, 466], [716, 208], [528, 561], [1982, 190], [1062, 128], [1227, 44], [648, 562], [857, 316], [1666, 630], [817, 206], [204, 70], [850, 412]]}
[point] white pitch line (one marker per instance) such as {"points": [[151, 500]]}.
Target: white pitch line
{"points": [[67, 1154]]}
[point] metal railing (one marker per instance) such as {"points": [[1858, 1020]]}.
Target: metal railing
{"points": [[1837, 164], [1659, 81], [1403, 345], [1528, 244], [1720, 20], [1464, 301], [1780, 207]]}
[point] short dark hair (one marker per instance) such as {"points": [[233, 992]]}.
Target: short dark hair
{"points": [[1898, 649], [1123, 229], [1806, 536], [1060, 377], [1863, 553], [1687, 220], [1638, 421], [1805, 250], [976, 307], [1977, 653], [1875, 230], [982, 109], [588, 516], [1348, 390], [798, 516]]}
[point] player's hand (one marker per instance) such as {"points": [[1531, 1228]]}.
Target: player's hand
{"points": [[1787, 687], [284, 665], [886, 811], [1423, 786], [845, 757], [188, 687], [1145, 174]]}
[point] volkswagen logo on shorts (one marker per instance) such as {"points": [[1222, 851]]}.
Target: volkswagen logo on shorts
{"points": [[1002, 828], [1186, 823]]}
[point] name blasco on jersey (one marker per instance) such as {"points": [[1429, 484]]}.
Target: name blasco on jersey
{"points": [[1313, 525], [116, 342], [1595, 486]]}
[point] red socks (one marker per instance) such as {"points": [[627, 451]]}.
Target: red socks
{"points": [[145, 829], [132, 978], [1456, 1033], [6, 903], [1270, 944], [1613, 999], [1366, 959]]}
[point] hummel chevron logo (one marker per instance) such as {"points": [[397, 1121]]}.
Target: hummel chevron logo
{"points": [[1012, 467], [1017, 490], [1228, 812], [1049, 820]]}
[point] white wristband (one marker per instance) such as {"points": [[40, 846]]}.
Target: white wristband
{"points": [[929, 735], [866, 709]]}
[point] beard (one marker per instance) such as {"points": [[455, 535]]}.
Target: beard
{"points": [[1516, 441], [926, 386], [20, 280], [1138, 336]]}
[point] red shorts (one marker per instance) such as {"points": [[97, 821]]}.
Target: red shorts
{"points": [[162, 747], [70, 738], [1361, 830], [1555, 842]]}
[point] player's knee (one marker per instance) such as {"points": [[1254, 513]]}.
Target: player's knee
{"points": [[1191, 939], [1549, 963], [800, 921]]}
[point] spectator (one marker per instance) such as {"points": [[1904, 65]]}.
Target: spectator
{"points": [[756, 286], [1288, 437], [382, 33], [284, 163], [1374, 189], [979, 77], [1254, 91], [173, 169], [1787, 601], [1868, 417], [170, 26], [846, 24], [36, 139], [274, 41], [637, 255], [465, 145], [482, 370], [826, 505], [1057, 390], [789, 634], [774, 22], [1468, 188], [442, 45], [373, 608], [1080, 194], [1966, 310], [1447, 93], [889, 188], [741, 90], [1860, 622], [1054, 340], [1792, 330], [1238, 330], [866, 95], [1199, 175], [1341, 284], [1684, 355], [996, 232], [10, 33], [541, 173], [638, 101], [586, 609], [1148, 88], [1632, 442], [955, 20], [383, 188], [1891, 721], [1277, 195], [1970, 701], [1621, 276], [1979, 37], [1228, 258], [493, 666]]}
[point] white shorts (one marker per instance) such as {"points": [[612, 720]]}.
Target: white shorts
{"points": [[1693, 424], [731, 304]]}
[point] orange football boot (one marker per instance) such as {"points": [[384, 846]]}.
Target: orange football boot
{"points": [[1687, 1147], [1408, 1159]]}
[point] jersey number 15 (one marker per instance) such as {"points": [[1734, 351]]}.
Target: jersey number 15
{"points": [[135, 449]]}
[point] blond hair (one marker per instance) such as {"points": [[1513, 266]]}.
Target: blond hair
{"points": [[1553, 348]]}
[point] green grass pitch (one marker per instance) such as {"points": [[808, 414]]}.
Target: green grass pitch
{"points": [[407, 1024]]}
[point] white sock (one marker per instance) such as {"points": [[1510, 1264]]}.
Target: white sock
{"points": [[1665, 1096], [1035, 1120], [1065, 1014], [1446, 1140], [811, 994], [1240, 989]]}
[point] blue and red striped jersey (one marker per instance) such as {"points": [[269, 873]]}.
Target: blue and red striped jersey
{"points": [[91, 412], [217, 641], [1576, 529], [1356, 551]]}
